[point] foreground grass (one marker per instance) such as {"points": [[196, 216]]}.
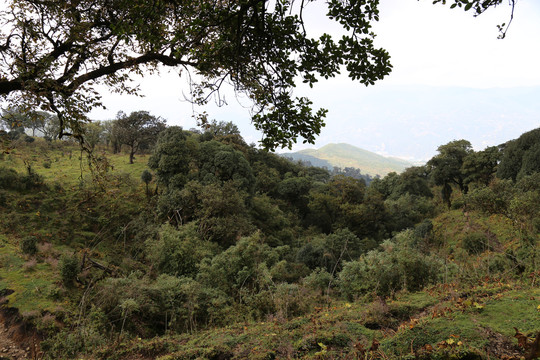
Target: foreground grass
{"points": [[444, 322]]}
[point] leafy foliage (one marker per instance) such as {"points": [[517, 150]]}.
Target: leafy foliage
{"points": [[55, 59], [384, 272], [263, 245], [520, 156]]}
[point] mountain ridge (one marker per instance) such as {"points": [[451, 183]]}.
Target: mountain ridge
{"points": [[347, 155]]}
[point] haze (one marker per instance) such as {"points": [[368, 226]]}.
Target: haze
{"points": [[452, 79]]}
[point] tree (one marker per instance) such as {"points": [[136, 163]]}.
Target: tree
{"points": [[93, 133], [446, 167], [520, 157], [412, 181], [216, 129], [53, 53], [146, 177], [219, 163], [174, 153], [49, 126], [138, 129], [481, 166], [112, 136]]}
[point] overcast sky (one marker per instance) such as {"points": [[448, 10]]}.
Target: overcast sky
{"points": [[437, 53]]}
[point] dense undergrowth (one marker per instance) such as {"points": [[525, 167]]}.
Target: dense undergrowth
{"points": [[225, 251]]}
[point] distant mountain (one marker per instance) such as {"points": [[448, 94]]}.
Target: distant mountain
{"points": [[345, 155]]}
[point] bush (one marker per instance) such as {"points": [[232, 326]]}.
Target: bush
{"points": [[69, 269], [178, 252], [494, 199], [47, 164], [8, 178], [475, 243], [319, 280], [29, 245], [424, 232], [395, 268]]}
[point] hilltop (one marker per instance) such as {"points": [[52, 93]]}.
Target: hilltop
{"points": [[345, 155]]}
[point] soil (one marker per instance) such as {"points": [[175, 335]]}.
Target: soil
{"points": [[17, 340], [9, 349]]}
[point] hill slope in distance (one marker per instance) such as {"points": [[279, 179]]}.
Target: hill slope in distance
{"points": [[346, 155]]}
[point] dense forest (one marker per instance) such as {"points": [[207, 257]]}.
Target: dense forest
{"points": [[140, 241]]}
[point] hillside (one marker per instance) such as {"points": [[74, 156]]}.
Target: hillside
{"points": [[241, 254], [345, 155]]}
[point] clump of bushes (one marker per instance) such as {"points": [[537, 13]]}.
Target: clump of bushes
{"points": [[12, 180], [69, 269], [475, 243], [383, 272], [29, 245]]}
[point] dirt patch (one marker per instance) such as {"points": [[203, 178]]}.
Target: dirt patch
{"points": [[500, 346], [18, 340]]}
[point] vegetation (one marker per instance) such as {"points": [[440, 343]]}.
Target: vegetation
{"points": [[212, 248], [203, 246], [54, 53], [346, 158]]}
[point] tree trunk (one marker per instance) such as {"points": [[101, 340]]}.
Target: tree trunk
{"points": [[131, 155]]}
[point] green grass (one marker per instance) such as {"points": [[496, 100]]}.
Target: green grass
{"points": [[63, 163], [33, 284], [473, 324]]}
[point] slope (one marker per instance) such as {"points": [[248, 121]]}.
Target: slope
{"points": [[346, 155]]}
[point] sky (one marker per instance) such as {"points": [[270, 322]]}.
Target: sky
{"points": [[452, 79]]}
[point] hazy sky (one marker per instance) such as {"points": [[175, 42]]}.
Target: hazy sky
{"points": [[430, 45]]}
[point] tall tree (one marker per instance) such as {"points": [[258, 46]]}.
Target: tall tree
{"points": [[446, 167], [481, 166], [174, 155], [138, 129], [521, 156]]}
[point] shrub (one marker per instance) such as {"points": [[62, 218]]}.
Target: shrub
{"points": [[384, 272], [47, 164], [69, 269], [8, 178], [536, 224], [146, 177], [319, 279], [178, 252], [29, 245], [475, 243], [330, 251], [494, 199]]}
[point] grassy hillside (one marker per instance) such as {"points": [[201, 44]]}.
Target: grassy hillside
{"points": [[345, 155], [101, 271]]}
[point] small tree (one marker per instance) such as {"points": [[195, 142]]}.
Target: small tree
{"points": [[138, 130], [69, 269], [146, 177], [29, 245]]}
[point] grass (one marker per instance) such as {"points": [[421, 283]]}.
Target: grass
{"points": [[474, 325], [68, 217], [63, 163], [33, 286]]}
